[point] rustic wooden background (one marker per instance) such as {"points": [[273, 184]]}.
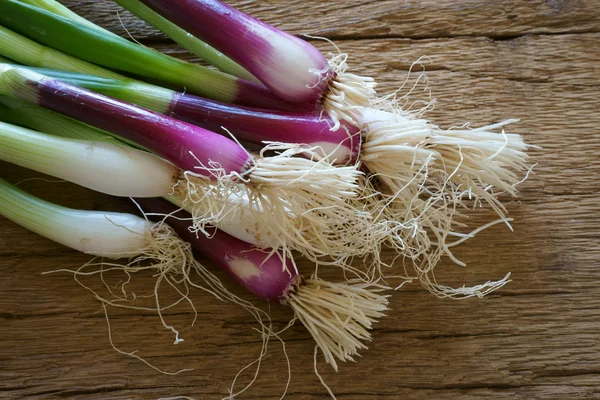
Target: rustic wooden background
{"points": [[538, 337]]}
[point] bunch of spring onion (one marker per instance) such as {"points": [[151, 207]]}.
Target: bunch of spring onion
{"points": [[337, 315], [424, 173], [395, 145], [77, 163], [288, 201], [411, 214]]}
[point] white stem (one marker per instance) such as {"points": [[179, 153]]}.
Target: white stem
{"points": [[239, 222], [106, 167], [106, 234]]}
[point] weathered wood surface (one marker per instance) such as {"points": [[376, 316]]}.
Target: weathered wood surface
{"points": [[352, 19], [536, 338]]}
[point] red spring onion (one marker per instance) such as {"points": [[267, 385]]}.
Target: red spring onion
{"points": [[247, 124], [89, 157], [338, 316], [292, 68], [180, 36]]}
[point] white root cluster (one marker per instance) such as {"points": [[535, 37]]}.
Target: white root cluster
{"points": [[346, 92], [477, 164], [288, 203], [339, 316], [428, 175]]}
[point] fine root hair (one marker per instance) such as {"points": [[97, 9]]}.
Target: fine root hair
{"points": [[339, 316]]}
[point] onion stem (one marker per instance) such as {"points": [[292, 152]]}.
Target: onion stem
{"points": [[27, 52], [114, 235], [103, 166], [185, 39]]}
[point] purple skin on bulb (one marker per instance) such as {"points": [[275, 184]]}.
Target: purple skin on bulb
{"points": [[262, 275], [256, 125], [185, 145], [292, 68], [252, 94]]}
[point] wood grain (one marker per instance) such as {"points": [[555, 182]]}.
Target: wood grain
{"points": [[353, 19], [537, 338]]}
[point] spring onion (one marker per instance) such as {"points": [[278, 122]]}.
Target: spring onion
{"points": [[145, 245], [337, 315], [102, 166], [187, 41], [103, 234], [114, 52], [246, 124], [292, 68]]}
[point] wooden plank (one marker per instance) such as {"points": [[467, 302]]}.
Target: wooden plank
{"points": [[537, 338], [354, 19], [525, 337]]}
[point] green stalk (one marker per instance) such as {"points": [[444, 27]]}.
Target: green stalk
{"points": [[111, 51], [28, 52], [5, 60], [20, 113], [185, 39], [110, 168], [19, 83], [104, 234]]}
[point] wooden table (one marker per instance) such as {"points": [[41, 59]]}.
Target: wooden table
{"points": [[538, 337]]}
